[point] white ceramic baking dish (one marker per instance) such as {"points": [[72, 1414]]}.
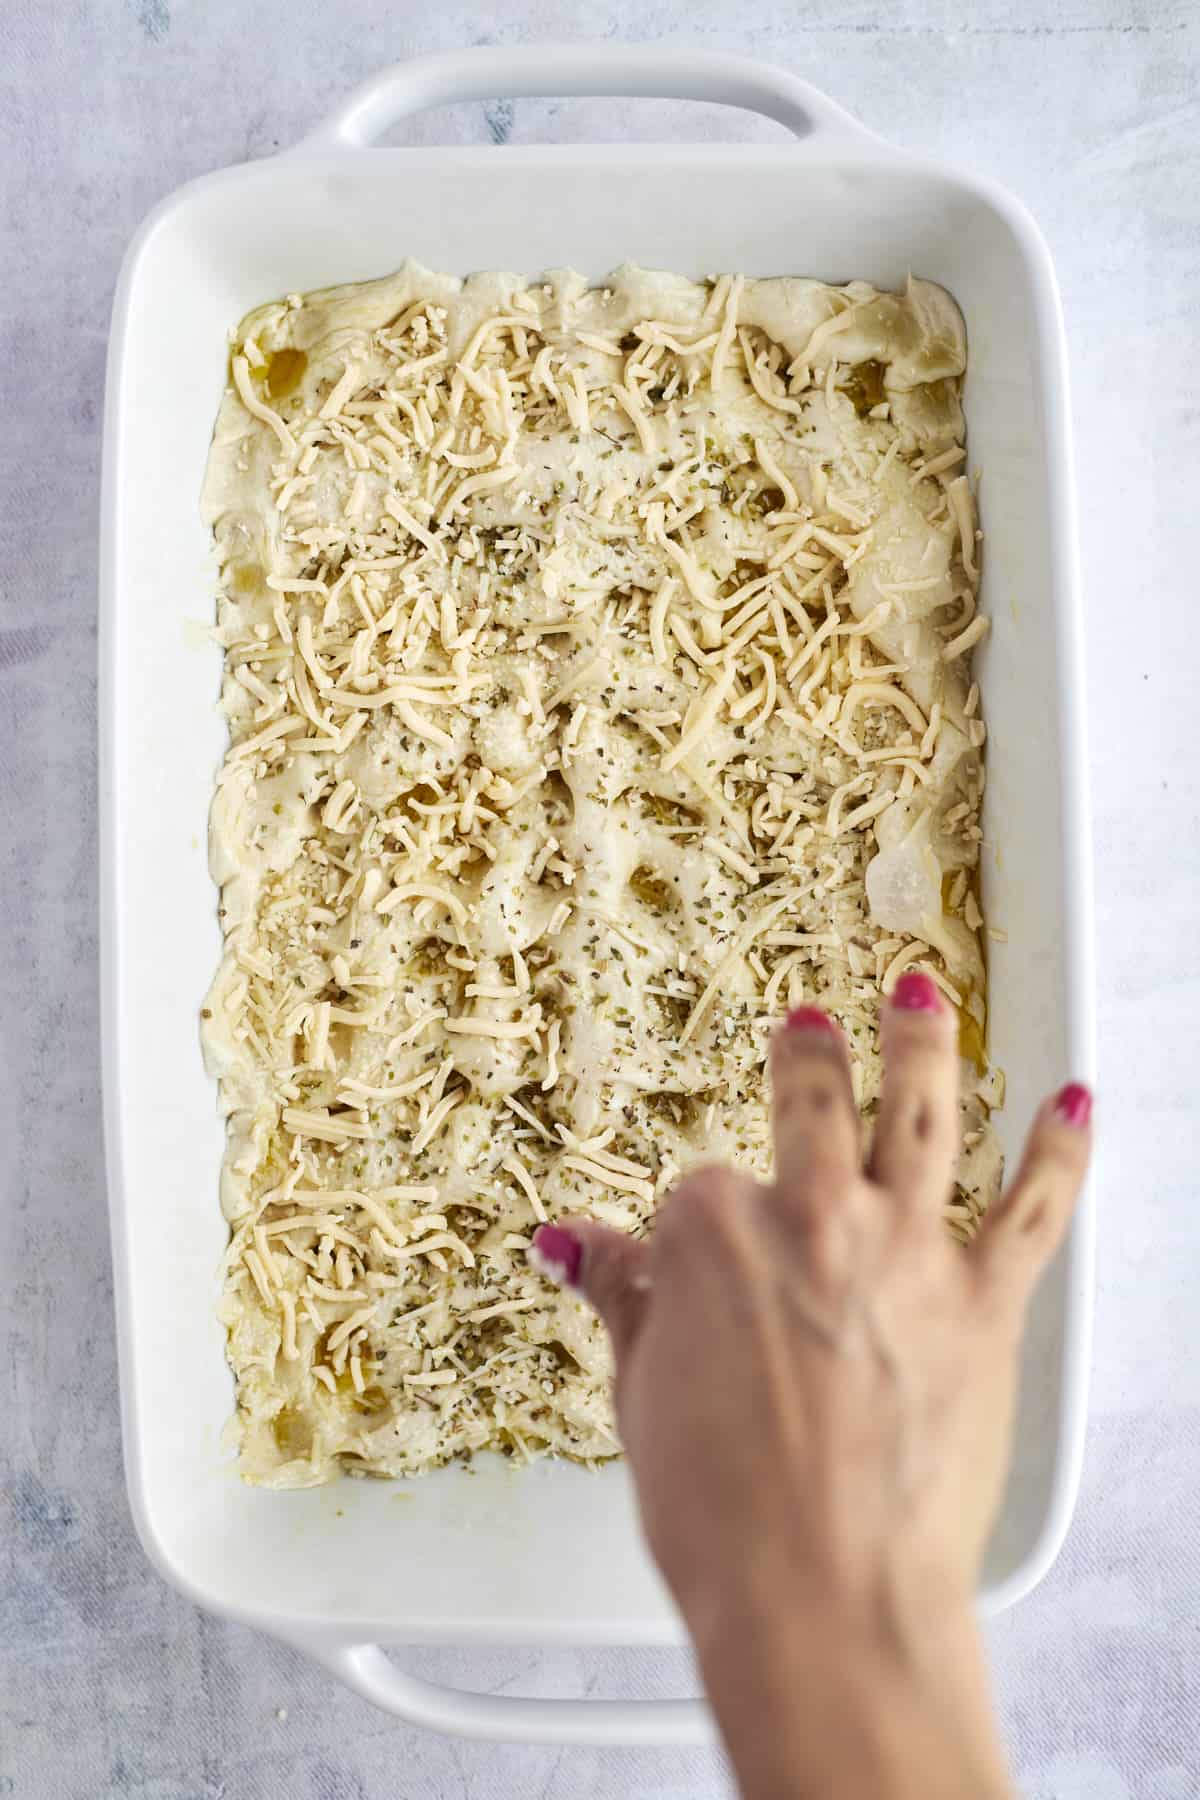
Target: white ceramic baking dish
{"points": [[550, 1554]]}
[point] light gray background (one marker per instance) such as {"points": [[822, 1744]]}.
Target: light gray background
{"points": [[113, 1686]]}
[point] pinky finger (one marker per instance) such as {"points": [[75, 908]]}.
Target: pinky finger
{"points": [[1024, 1229]]}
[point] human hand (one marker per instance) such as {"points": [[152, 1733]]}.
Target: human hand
{"points": [[814, 1383]]}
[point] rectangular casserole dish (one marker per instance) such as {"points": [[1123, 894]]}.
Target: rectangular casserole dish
{"points": [[552, 1553]]}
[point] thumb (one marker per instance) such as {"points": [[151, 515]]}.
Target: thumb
{"points": [[610, 1269]]}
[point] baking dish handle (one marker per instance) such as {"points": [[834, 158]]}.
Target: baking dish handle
{"points": [[509, 1718], [633, 70]]}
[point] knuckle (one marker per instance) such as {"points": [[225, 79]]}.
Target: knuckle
{"points": [[1028, 1206], [829, 1262], [820, 1192], [713, 1185], [916, 1113], [602, 1269], [1036, 1209], [823, 1185], [830, 1220], [707, 1193], [1062, 1153], [815, 1093]]}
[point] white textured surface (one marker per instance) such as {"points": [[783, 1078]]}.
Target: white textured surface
{"points": [[110, 1685]]}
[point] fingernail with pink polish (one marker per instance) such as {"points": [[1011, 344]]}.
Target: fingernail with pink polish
{"points": [[917, 992], [1074, 1105], [557, 1255], [809, 1018]]}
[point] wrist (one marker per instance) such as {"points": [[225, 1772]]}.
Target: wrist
{"points": [[845, 1698]]}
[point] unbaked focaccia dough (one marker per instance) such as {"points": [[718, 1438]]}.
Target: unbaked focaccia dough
{"points": [[597, 673]]}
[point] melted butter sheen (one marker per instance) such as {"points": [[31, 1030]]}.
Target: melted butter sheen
{"points": [[972, 1045], [864, 386], [247, 579], [284, 373]]}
